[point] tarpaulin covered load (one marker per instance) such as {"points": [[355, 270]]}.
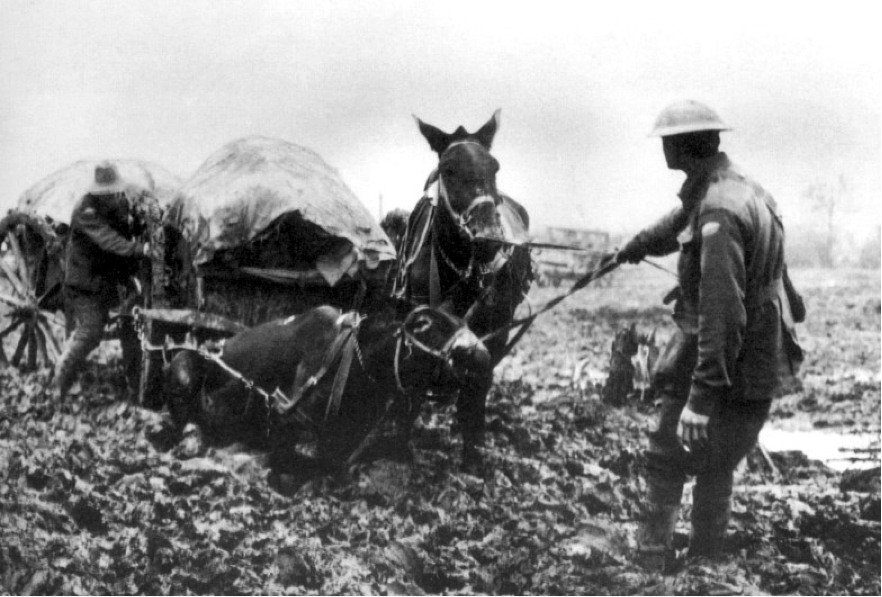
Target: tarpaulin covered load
{"points": [[55, 195], [270, 208]]}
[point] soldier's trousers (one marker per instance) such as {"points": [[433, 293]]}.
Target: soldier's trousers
{"points": [[733, 429], [732, 432], [90, 314]]}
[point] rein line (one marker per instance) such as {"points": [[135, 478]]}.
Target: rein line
{"points": [[526, 322]]}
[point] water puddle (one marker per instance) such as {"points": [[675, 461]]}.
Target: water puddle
{"points": [[839, 451]]}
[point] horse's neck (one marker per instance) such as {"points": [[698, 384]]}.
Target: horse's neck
{"points": [[377, 342], [446, 234]]}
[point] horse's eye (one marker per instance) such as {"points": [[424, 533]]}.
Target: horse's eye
{"points": [[448, 172], [422, 324]]}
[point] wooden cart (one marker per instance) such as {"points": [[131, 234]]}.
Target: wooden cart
{"points": [[264, 229]]}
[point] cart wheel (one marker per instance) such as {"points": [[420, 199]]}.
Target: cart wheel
{"points": [[29, 264]]}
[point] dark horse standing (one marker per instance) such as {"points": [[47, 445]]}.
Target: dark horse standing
{"points": [[452, 257]]}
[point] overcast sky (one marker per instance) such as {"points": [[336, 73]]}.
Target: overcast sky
{"points": [[579, 87]]}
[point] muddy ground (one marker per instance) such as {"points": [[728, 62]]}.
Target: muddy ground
{"points": [[92, 501]]}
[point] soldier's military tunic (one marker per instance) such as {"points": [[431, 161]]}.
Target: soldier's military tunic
{"points": [[734, 326], [101, 254]]}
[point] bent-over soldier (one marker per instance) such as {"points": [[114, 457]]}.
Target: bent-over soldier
{"points": [[101, 255], [717, 375]]}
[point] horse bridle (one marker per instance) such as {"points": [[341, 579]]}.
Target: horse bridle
{"points": [[407, 340], [461, 219]]}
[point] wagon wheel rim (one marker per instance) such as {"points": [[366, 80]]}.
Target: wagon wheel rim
{"points": [[37, 343]]}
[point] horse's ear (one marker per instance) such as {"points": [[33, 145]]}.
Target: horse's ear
{"points": [[485, 134], [438, 139]]}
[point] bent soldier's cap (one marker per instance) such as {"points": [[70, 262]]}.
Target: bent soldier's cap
{"points": [[107, 180]]}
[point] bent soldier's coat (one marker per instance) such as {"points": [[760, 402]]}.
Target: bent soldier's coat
{"points": [[101, 249]]}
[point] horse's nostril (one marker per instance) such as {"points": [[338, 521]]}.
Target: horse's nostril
{"points": [[471, 360]]}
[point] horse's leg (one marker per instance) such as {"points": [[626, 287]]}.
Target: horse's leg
{"points": [[226, 414], [282, 444], [183, 380], [404, 413], [344, 432], [471, 408], [470, 411]]}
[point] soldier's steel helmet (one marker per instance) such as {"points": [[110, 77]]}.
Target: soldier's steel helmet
{"points": [[687, 116]]}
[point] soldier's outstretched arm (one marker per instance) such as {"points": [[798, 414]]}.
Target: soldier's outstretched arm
{"points": [[656, 240]]}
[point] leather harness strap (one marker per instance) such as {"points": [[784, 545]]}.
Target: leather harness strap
{"points": [[402, 287], [342, 375], [340, 351], [434, 277]]}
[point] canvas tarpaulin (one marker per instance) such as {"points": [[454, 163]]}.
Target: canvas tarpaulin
{"points": [[55, 195], [257, 189]]}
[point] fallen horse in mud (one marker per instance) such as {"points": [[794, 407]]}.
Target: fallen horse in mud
{"points": [[324, 373]]}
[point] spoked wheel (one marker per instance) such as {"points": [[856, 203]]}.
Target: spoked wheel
{"points": [[30, 291]]}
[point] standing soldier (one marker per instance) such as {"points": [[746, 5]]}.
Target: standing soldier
{"points": [[734, 338], [101, 255]]}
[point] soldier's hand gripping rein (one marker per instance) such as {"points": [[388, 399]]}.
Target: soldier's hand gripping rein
{"points": [[633, 252]]}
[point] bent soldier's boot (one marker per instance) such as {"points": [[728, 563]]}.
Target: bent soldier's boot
{"points": [[64, 374], [90, 317], [655, 536], [709, 521]]}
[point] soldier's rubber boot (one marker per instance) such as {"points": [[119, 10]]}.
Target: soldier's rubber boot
{"points": [[655, 537], [709, 521]]}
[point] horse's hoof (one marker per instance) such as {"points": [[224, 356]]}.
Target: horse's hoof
{"points": [[191, 443], [472, 462]]}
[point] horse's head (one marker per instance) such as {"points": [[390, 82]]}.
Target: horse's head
{"points": [[467, 182], [431, 338]]}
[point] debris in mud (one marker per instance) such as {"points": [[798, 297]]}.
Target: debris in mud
{"points": [[632, 357], [89, 505]]}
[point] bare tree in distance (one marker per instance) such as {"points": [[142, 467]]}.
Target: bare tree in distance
{"points": [[871, 252], [827, 199]]}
